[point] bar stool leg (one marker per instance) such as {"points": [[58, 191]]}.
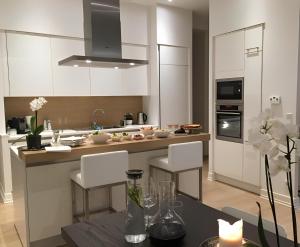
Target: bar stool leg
{"points": [[200, 184], [73, 194], [86, 208], [110, 198], [126, 190]]}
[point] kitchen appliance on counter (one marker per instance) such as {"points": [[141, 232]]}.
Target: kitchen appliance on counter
{"points": [[128, 119], [142, 118], [18, 123], [230, 91]]}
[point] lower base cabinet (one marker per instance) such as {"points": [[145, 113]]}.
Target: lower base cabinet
{"points": [[251, 166]]}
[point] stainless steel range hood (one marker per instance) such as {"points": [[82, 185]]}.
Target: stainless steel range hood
{"points": [[102, 35]]}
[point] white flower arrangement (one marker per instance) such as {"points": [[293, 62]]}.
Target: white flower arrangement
{"points": [[269, 136], [274, 139], [36, 105]]}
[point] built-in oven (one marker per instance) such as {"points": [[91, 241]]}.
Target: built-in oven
{"points": [[229, 122], [230, 91]]}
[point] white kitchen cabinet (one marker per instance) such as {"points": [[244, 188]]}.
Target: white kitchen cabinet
{"points": [[229, 55], [54, 17], [134, 52], [252, 89], [29, 63], [69, 81], [174, 26], [251, 167], [106, 82], [254, 39], [174, 100], [134, 23], [3, 67], [228, 159], [135, 80], [174, 55]]}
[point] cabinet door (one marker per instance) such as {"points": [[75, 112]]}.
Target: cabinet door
{"points": [[69, 81], [173, 55], [135, 80], [4, 83], [29, 62], [229, 55], [251, 168], [252, 89], [254, 39], [134, 23], [174, 100], [228, 159], [106, 82]]}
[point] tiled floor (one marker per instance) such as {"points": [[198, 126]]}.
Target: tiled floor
{"points": [[215, 194]]}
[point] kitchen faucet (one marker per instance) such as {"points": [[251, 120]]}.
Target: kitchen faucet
{"points": [[95, 124]]}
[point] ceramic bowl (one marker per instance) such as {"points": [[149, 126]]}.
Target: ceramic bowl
{"points": [[161, 133], [100, 138]]}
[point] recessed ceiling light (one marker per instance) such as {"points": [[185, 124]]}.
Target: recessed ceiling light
{"points": [[88, 61], [131, 64], [75, 65], [170, 1], [116, 67]]}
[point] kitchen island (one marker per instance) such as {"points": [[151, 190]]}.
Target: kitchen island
{"points": [[42, 189]]}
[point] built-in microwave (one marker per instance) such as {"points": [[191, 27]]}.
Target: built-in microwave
{"points": [[230, 91], [229, 123]]}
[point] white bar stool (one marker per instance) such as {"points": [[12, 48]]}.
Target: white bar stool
{"points": [[182, 157], [98, 171]]}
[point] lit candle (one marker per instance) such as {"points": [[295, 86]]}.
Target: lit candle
{"points": [[230, 235]]}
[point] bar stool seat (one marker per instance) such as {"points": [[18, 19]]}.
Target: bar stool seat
{"points": [[182, 157], [103, 170]]}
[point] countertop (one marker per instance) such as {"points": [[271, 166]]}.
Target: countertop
{"points": [[70, 132], [41, 157]]}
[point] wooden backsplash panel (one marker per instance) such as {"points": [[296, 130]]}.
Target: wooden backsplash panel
{"points": [[76, 112]]}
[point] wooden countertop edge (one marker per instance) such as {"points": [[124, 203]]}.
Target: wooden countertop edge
{"points": [[39, 158]]}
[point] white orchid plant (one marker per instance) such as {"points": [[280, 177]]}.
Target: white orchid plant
{"points": [[35, 106], [274, 139]]}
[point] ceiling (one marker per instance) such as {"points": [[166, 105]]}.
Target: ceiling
{"points": [[199, 6]]}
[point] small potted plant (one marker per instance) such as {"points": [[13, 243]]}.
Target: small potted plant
{"points": [[34, 138]]}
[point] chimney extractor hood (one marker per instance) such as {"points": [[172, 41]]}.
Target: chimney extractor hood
{"points": [[102, 38]]}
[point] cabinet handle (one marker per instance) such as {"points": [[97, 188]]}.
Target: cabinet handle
{"points": [[228, 113], [252, 50]]}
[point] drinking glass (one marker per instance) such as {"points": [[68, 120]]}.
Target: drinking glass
{"points": [[150, 202]]}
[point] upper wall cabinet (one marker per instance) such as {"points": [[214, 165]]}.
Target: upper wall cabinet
{"points": [[254, 39], [174, 26], [56, 17], [4, 84], [29, 62], [229, 55], [68, 81], [134, 23]]}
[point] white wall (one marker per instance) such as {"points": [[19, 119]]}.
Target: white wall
{"points": [[280, 59]]}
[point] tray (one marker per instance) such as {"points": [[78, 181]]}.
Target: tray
{"points": [[214, 242]]}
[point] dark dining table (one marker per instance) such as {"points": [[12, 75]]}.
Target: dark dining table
{"points": [[200, 223]]}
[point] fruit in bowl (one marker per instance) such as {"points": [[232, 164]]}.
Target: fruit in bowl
{"points": [[138, 136], [147, 131], [126, 136], [162, 133], [99, 137], [116, 137]]}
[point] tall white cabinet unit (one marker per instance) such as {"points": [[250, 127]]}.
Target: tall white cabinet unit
{"points": [[239, 54], [174, 39], [174, 95]]}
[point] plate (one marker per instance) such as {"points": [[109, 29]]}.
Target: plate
{"points": [[214, 242]]}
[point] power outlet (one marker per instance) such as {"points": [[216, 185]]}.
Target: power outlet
{"points": [[275, 100]]}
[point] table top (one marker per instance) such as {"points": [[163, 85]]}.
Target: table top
{"points": [[41, 157], [201, 224]]}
